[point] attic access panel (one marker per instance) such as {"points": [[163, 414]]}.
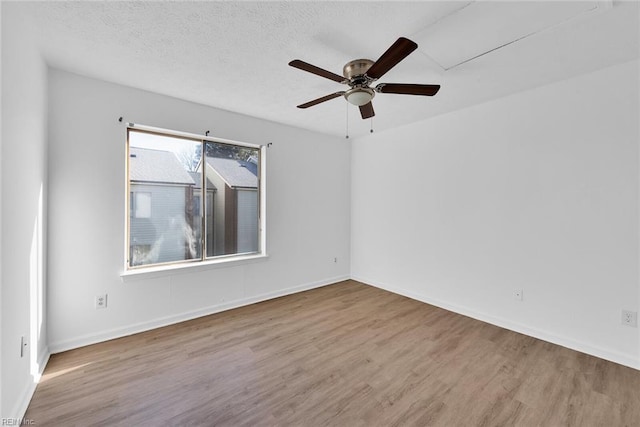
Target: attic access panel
{"points": [[484, 26]]}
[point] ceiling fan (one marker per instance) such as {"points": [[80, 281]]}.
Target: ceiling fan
{"points": [[359, 74]]}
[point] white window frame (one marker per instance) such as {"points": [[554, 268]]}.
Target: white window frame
{"points": [[204, 262]]}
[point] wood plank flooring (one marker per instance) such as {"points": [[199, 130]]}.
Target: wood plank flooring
{"points": [[342, 355]]}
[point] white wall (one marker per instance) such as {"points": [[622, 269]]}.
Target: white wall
{"points": [[308, 213], [23, 165], [537, 191]]}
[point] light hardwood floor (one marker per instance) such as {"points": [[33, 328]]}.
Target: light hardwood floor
{"points": [[343, 355]]}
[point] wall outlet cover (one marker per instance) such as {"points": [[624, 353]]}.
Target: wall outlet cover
{"points": [[101, 301]]}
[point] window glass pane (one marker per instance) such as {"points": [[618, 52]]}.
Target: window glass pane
{"points": [[165, 215], [232, 182]]}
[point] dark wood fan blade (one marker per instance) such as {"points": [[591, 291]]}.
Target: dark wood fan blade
{"points": [[304, 66], [319, 100], [366, 110], [396, 53], [408, 89]]}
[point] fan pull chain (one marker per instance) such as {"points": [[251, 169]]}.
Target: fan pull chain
{"points": [[371, 130], [347, 123]]}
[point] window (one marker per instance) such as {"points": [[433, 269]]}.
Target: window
{"points": [[191, 199], [141, 204]]}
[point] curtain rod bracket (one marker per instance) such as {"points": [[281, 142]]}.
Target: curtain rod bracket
{"points": [[121, 120]]}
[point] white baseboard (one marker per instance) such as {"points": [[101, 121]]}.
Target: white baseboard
{"points": [[84, 340], [613, 356], [25, 397]]}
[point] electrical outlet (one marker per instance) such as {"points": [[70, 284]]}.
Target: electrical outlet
{"points": [[518, 294], [630, 318], [101, 301]]}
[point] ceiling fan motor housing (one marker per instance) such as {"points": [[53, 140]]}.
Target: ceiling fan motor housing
{"points": [[357, 67]]}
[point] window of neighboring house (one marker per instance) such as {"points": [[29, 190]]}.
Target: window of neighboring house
{"points": [[169, 219], [141, 204]]}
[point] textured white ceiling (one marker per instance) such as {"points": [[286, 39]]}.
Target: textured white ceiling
{"points": [[234, 55], [493, 25]]}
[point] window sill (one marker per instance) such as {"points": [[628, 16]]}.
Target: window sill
{"points": [[167, 270]]}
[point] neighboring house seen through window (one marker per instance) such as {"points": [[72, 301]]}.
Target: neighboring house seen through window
{"points": [[170, 220]]}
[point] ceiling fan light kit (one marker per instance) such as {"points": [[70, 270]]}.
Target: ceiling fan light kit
{"points": [[359, 74], [359, 96]]}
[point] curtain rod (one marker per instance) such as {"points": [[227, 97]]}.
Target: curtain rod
{"points": [[190, 135]]}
